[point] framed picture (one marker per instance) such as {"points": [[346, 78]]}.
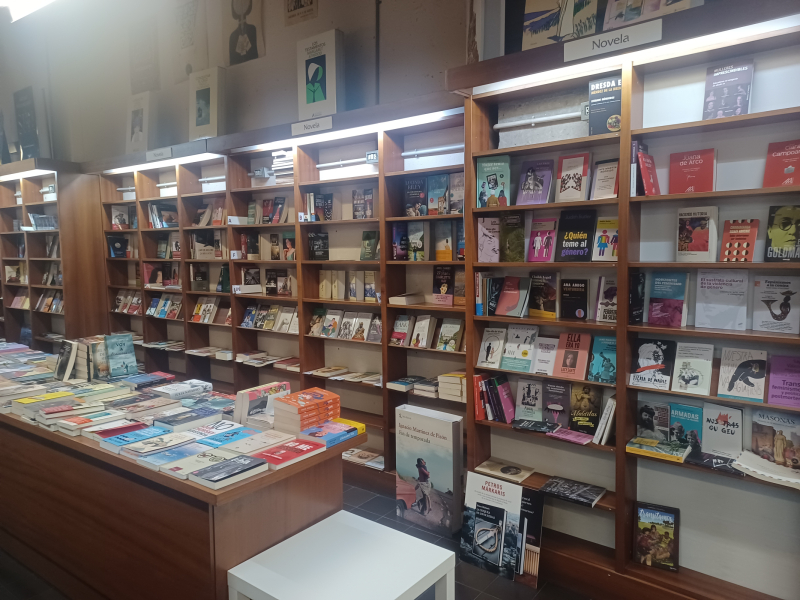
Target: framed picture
{"points": [[141, 116], [206, 103], [242, 39]]}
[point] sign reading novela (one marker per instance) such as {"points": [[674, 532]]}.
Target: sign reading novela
{"points": [[620, 39], [312, 126]]}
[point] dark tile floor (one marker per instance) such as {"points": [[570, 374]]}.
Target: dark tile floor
{"points": [[18, 583], [472, 583]]}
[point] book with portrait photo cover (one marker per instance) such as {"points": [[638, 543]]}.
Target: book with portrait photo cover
{"points": [[783, 234], [728, 89], [572, 355]]}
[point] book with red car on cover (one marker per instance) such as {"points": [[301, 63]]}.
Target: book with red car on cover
{"points": [[649, 177], [572, 355], [783, 164], [289, 453], [692, 172], [738, 240]]}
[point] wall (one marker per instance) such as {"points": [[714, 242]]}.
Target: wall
{"points": [[77, 51]]}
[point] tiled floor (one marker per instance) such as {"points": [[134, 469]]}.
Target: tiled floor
{"points": [[18, 583], [472, 583]]}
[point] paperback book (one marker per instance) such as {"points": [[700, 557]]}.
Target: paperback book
{"points": [[783, 242], [606, 240], [529, 400], [738, 240], [784, 381], [543, 297], [693, 364], [686, 424], [585, 405], [491, 350], [668, 299], [545, 355], [575, 235], [783, 162], [512, 238], [723, 429], [572, 355], [518, 351], [693, 172], [697, 234], [574, 299], [603, 365], [652, 363], [493, 181], [728, 89], [742, 374], [606, 307], [542, 240], [722, 299], [535, 182], [572, 182], [488, 240], [655, 536]]}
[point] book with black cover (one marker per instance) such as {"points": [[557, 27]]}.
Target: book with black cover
{"points": [[539, 426], [494, 287], [575, 235], [318, 245], [369, 245], [636, 290], [577, 492], [652, 363], [574, 298], [512, 238], [415, 196], [605, 105], [530, 525]]}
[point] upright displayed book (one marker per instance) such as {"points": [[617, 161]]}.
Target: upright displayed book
{"points": [[572, 356], [606, 305], [783, 164], [575, 235], [120, 354], [488, 240], [723, 429], [543, 297], [606, 240], [416, 203], [693, 366], [652, 363], [722, 299], [685, 424], [529, 400], [585, 405], [512, 238], [603, 364], [605, 179], [438, 194], [728, 89], [693, 172], [655, 536], [492, 345], [457, 193], [493, 181], [572, 183], [784, 381], [742, 374], [668, 293], [738, 240], [647, 171], [697, 234], [542, 240], [519, 348], [574, 299], [535, 182], [636, 297], [513, 300], [783, 243]]}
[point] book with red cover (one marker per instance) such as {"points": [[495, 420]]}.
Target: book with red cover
{"points": [[649, 177], [289, 453], [506, 397], [692, 172], [783, 164], [480, 409], [107, 433], [738, 240], [572, 355]]}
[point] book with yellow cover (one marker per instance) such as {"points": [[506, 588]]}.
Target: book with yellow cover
{"points": [[360, 427], [43, 397], [670, 451]]}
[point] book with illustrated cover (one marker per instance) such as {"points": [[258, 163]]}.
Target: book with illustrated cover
{"points": [[503, 469], [668, 305], [488, 240], [575, 235], [605, 105], [491, 351], [443, 239], [693, 172], [685, 424], [722, 299], [375, 333], [332, 323], [545, 355], [438, 194], [693, 364], [530, 400], [728, 89], [605, 180], [574, 298], [450, 334], [738, 240], [535, 182], [572, 179], [586, 403], [652, 363], [573, 491], [369, 245], [121, 355], [783, 241], [359, 208], [401, 332], [493, 181], [512, 238], [606, 307], [606, 240], [443, 284], [399, 241], [416, 200], [783, 164], [742, 374], [697, 234], [318, 248], [542, 240], [603, 363], [513, 300], [784, 381], [647, 169], [572, 355], [636, 297], [544, 299], [722, 432], [655, 536], [518, 351], [457, 193]]}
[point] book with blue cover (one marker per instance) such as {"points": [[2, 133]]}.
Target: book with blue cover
{"points": [[121, 356], [154, 461], [113, 444], [234, 435], [685, 424], [330, 433], [603, 365]]}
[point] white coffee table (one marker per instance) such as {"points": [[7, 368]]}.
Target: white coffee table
{"points": [[345, 557]]}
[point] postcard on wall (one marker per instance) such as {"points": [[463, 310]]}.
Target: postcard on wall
{"points": [[206, 102], [242, 38], [298, 11], [190, 38], [140, 117]]}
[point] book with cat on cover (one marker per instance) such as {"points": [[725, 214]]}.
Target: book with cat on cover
{"points": [[585, 405], [772, 304], [575, 235], [493, 181], [742, 374], [693, 364], [572, 183], [697, 234], [572, 355], [535, 182], [668, 299], [722, 299], [693, 172], [652, 363], [661, 551], [647, 167], [574, 298], [783, 242], [543, 300], [542, 240], [738, 240], [783, 164]]}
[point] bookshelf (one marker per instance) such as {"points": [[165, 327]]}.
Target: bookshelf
{"points": [[29, 189]]}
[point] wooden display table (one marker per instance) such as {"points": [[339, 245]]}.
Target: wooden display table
{"points": [[98, 525]]}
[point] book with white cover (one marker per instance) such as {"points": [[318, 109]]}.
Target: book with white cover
{"points": [[742, 374], [772, 304], [207, 103], [693, 363], [606, 307], [529, 400], [697, 234], [348, 325], [284, 319], [210, 456], [491, 351], [260, 441], [519, 350], [157, 444], [422, 336], [722, 430], [545, 356], [722, 299]]}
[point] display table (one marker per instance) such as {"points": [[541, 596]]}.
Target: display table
{"points": [[98, 525]]}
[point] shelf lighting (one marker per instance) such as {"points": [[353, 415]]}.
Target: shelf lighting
{"points": [[163, 164], [26, 174], [434, 150]]}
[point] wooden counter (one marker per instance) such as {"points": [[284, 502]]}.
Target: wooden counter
{"points": [[98, 525]]}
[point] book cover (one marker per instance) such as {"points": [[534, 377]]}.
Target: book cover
{"points": [[722, 299], [606, 307], [728, 89], [574, 298], [783, 163], [692, 172], [503, 469], [519, 348], [573, 491], [652, 421], [636, 297], [120, 354], [572, 183], [227, 437], [443, 239], [488, 240], [290, 452], [416, 192], [652, 363], [738, 240], [655, 536], [542, 240], [491, 350], [401, 332], [572, 355], [605, 105], [586, 402], [535, 180], [318, 245], [742, 374], [438, 194], [685, 424], [723, 429], [450, 334], [332, 323], [605, 180], [603, 365], [512, 238], [545, 355], [667, 299], [575, 235], [443, 284], [491, 537], [369, 245], [783, 241], [530, 400], [775, 439], [493, 181], [531, 515], [693, 364], [647, 168], [697, 234], [457, 193], [513, 300], [359, 209], [399, 241], [606, 240], [784, 381]]}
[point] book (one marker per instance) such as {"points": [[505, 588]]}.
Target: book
{"points": [[636, 297], [371, 285], [605, 179], [518, 351], [418, 240], [742, 374], [120, 355], [647, 170], [428, 450], [693, 364], [443, 284], [572, 355], [208, 457], [318, 245], [402, 330], [697, 234], [652, 421], [545, 355], [422, 336], [606, 306], [492, 345], [783, 242], [289, 453], [722, 431], [572, 183], [531, 517], [450, 335], [668, 305], [443, 236], [573, 491], [542, 240], [359, 207], [438, 195], [369, 245], [171, 455], [652, 363], [603, 362], [728, 89], [229, 471], [456, 193], [543, 300], [655, 536], [685, 424], [693, 172], [513, 300], [606, 240], [491, 538], [488, 239], [530, 400], [575, 235], [586, 402], [668, 450], [503, 469], [375, 333], [416, 196], [784, 381], [783, 162], [330, 327], [399, 241], [512, 238], [493, 178], [605, 105], [738, 240], [228, 437], [535, 182], [574, 299], [537, 426], [774, 437], [722, 299]]}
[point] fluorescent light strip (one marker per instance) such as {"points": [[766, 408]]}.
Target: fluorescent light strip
{"points": [[722, 39], [355, 131], [26, 174], [162, 164]]}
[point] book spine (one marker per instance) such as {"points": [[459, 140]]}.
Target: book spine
{"points": [[610, 424], [480, 411], [603, 423]]}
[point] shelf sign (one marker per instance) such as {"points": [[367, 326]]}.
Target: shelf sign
{"points": [[372, 157], [613, 41], [160, 154], [312, 126]]}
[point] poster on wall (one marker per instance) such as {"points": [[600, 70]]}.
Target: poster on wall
{"points": [[27, 133], [241, 31], [190, 38], [320, 75], [550, 21], [141, 109], [621, 13], [298, 11], [206, 103], [143, 56]]}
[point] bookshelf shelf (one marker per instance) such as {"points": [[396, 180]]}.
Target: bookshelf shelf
{"points": [[271, 331], [364, 387], [198, 293], [428, 307], [264, 226], [205, 227], [319, 337], [425, 218], [338, 181], [201, 260], [763, 266], [47, 287], [204, 194], [344, 263], [554, 146], [607, 503], [725, 334], [426, 171], [549, 206], [369, 419], [412, 349], [567, 323], [550, 266], [267, 189], [718, 399], [422, 263], [540, 435], [246, 261], [208, 324], [269, 298], [339, 222], [769, 117], [720, 195], [59, 259], [158, 199], [550, 377]]}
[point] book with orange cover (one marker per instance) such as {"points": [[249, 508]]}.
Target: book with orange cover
{"points": [[692, 172], [738, 240], [310, 398], [783, 164], [572, 355]]}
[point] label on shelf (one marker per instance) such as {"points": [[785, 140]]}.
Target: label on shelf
{"points": [[312, 126], [613, 41], [159, 154]]}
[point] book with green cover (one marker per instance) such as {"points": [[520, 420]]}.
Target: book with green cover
{"points": [[369, 245], [494, 181], [512, 238]]}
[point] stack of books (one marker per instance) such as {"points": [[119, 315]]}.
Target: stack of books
{"points": [[297, 412], [453, 386]]}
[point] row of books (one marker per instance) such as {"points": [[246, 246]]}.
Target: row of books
{"points": [[124, 217], [267, 246], [207, 245], [448, 386], [280, 319], [166, 306], [162, 215], [426, 331], [319, 248], [262, 359], [206, 310], [51, 302], [350, 325], [215, 352], [199, 278], [128, 301], [411, 241], [213, 213], [267, 211], [440, 194], [321, 207], [354, 286], [21, 299], [43, 222], [277, 282], [162, 275], [364, 457], [338, 373]]}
